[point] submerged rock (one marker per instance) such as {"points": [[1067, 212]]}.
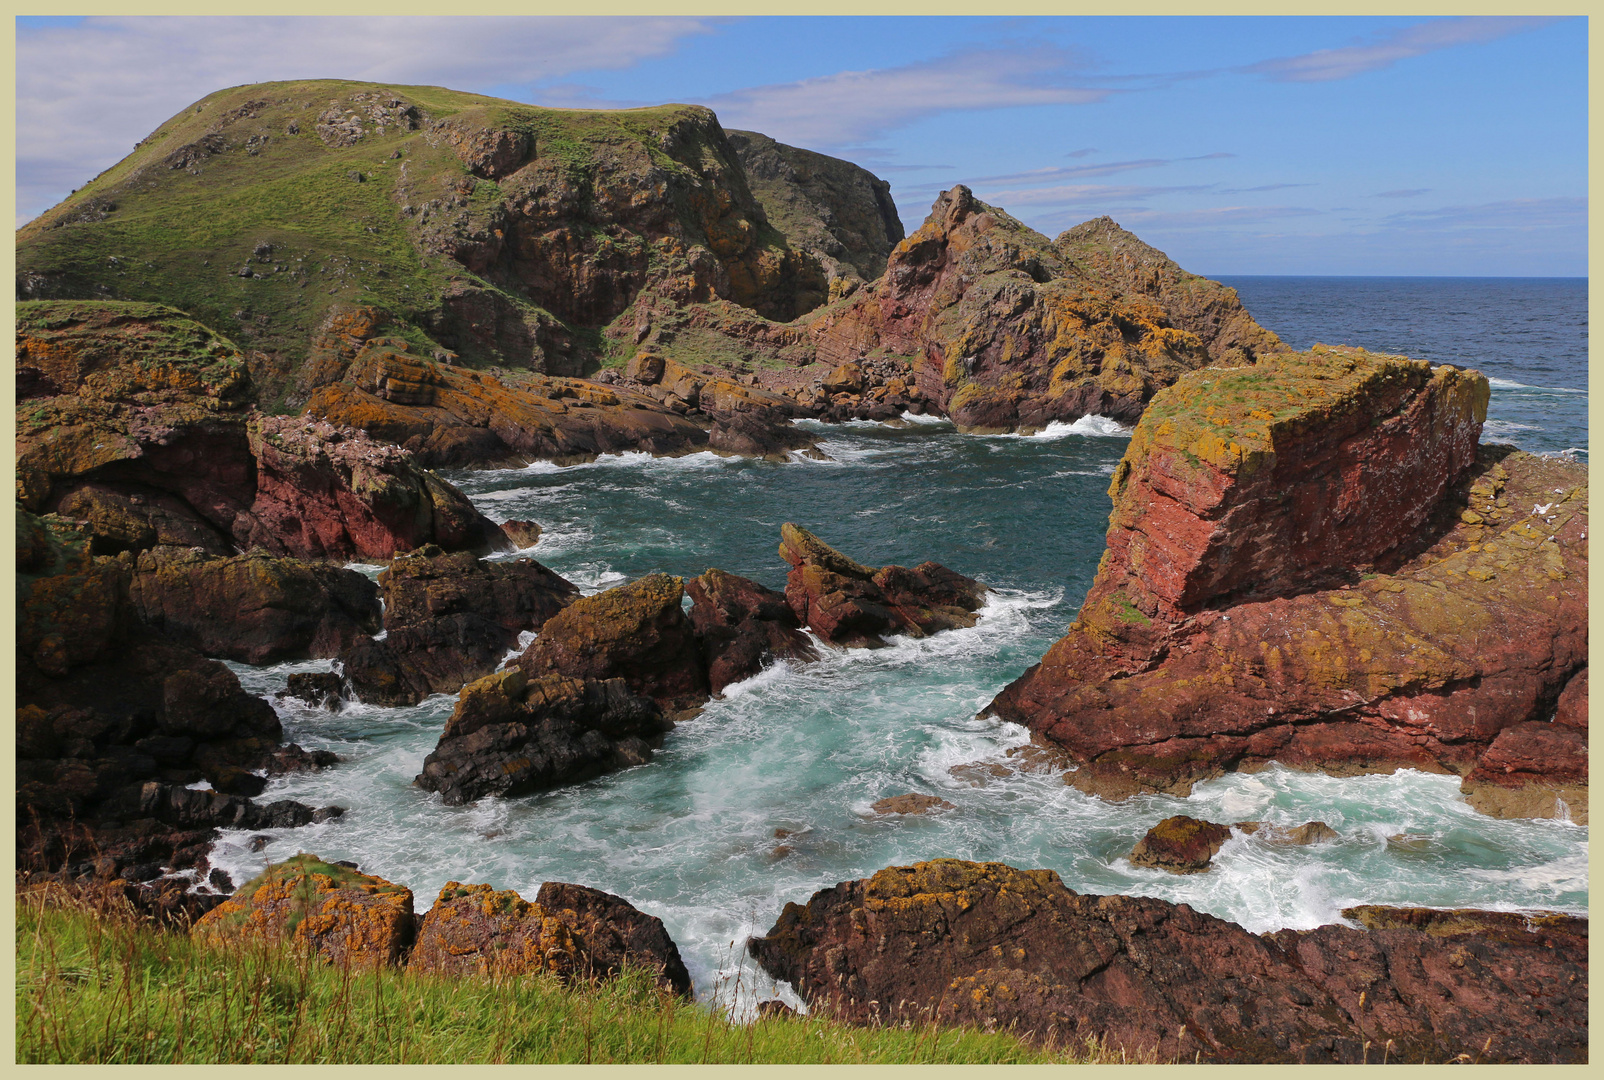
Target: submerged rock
{"points": [[987, 945], [742, 626], [1310, 832], [1292, 575], [911, 803], [847, 603], [510, 735], [344, 917]]}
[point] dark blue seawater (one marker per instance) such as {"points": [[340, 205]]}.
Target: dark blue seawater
{"points": [[691, 837], [1527, 335]]}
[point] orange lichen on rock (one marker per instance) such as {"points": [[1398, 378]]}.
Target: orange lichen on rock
{"points": [[345, 917]]}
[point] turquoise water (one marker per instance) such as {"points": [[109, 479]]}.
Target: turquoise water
{"points": [[691, 836]]}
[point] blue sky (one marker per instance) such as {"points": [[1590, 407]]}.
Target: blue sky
{"points": [[1239, 145]]}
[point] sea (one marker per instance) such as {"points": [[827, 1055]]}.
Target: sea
{"points": [[765, 797]]}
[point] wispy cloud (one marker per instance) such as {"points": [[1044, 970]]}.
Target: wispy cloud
{"points": [[1524, 215], [1083, 152], [1401, 193], [1215, 216], [849, 107], [86, 92], [1384, 50], [1262, 187], [1082, 194]]}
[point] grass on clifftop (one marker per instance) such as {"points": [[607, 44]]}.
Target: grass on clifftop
{"points": [[103, 986]]}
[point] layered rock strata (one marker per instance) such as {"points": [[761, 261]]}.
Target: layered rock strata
{"points": [[742, 627], [1310, 562], [847, 603], [987, 945]]}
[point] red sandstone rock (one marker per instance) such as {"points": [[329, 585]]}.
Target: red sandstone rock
{"points": [[742, 626], [1572, 708], [847, 603], [1239, 618], [990, 946], [328, 492], [1529, 770]]}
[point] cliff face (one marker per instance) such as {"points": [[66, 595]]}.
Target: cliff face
{"points": [[1008, 330], [835, 211], [1309, 562]]}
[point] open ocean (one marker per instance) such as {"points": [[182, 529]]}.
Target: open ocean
{"points": [[690, 837]]}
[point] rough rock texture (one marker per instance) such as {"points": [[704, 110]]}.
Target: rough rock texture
{"points": [[139, 428], [989, 945], [1008, 332], [1121, 263], [742, 626], [847, 603], [331, 492], [911, 803], [613, 933], [637, 632], [1535, 769], [511, 735], [1308, 562], [113, 719], [1310, 832], [1181, 845], [345, 917], [449, 619], [256, 608], [835, 211]]}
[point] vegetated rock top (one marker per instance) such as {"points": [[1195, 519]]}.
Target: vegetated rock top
{"points": [[501, 232]]}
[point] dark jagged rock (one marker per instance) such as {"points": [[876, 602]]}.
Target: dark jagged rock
{"points": [[991, 946], [847, 603], [516, 594], [323, 689], [449, 619], [742, 626], [614, 934], [1181, 845], [1309, 561], [255, 608], [637, 632], [511, 735]]}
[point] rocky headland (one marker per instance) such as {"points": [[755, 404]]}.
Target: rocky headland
{"points": [[1313, 561]]}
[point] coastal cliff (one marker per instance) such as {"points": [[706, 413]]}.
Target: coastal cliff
{"points": [[1310, 561]]}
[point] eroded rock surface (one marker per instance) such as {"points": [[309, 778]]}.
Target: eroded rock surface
{"points": [[1309, 561], [847, 603], [1181, 845], [988, 945], [742, 626]]}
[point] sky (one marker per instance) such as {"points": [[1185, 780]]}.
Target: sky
{"points": [[1238, 145]]}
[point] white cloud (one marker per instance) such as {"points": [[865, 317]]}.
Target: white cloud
{"points": [[850, 107], [1080, 194], [1524, 215], [1382, 51], [87, 93]]}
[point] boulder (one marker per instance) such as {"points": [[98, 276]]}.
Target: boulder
{"points": [[986, 945], [742, 626], [512, 735], [523, 534], [637, 632], [343, 917], [614, 934], [1311, 562], [255, 608], [847, 603], [1310, 832], [449, 619], [1181, 845], [1534, 769]]}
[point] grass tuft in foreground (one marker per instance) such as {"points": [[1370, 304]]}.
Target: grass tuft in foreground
{"points": [[97, 983]]}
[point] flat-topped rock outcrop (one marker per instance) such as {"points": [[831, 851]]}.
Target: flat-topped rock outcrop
{"points": [[1310, 562]]}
